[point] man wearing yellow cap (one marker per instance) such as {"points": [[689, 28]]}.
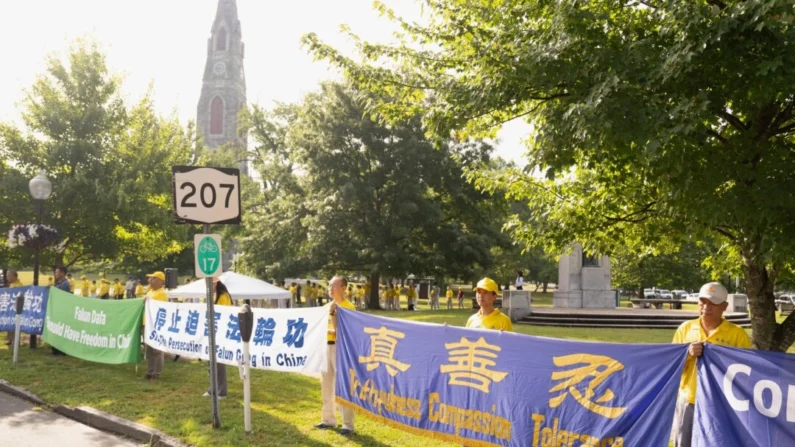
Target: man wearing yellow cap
{"points": [[154, 358], [487, 317], [85, 286], [710, 327]]}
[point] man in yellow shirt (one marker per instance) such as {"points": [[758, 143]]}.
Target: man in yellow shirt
{"points": [[85, 286], [12, 278], [487, 317], [104, 289], [154, 358], [71, 283], [118, 289], [336, 290], [449, 296], [295, 300], [222, 298], [710, 327], [306, 291], [411, 297]]}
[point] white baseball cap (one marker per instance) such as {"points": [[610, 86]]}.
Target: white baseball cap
{"points": [[713, 291]]}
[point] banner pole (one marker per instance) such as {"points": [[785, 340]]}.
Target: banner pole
{"points": [[213, 350], [20, 304]]}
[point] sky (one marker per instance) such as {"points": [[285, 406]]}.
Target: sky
{"points": [[164, 43]]}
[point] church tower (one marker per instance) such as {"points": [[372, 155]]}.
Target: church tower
{"points": [[224, 84]]}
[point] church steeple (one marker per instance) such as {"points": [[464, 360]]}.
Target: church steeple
{"points": [[224, 85]]}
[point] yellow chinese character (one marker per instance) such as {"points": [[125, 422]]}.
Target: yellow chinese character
{"points": [[597, 366], [472, 360], [382, 350]]}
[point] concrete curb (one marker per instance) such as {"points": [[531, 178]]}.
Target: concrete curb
{"points": [[99, 420], [21, 393]]}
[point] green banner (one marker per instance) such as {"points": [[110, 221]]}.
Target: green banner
{"points": [[103, 331]]}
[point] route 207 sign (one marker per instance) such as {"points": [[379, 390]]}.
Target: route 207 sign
{"points": [[205, 195]]}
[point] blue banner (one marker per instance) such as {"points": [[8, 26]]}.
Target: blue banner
{"points": [[34, 309], [489, 388], [744, 398]]}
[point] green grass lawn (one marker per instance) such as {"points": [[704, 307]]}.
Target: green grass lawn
{"points": [[284, 406]]}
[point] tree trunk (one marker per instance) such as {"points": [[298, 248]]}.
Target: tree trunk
{"points": [[372, 300], [538, 284], [546, 284], [760, 281]]}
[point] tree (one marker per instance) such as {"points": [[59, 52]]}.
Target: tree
{"points": [[109, 163], [683, 268], [653, 120], [369, 198]]}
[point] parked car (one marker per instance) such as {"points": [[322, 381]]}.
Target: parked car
{"points": [[665, 294], [785, 302], [692, 297], [651, 294], [679, 294]]}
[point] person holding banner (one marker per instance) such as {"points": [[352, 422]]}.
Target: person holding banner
{"points": [[62, 283], [12, 278], [222, 298], [710, 327], [487, 317], [336, 290], [154, 358]]}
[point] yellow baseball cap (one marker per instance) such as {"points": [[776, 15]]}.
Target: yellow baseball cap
{"points": [[159, 275], [488, 285]]}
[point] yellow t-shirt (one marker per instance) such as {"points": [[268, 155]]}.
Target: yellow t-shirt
{"points": [[359, 293], [332, 336], [157, 295], [85, 286], [104, 289], [139, 290], [495, 320], [92, 289], [71, 285], [449, 293], [411, 293], [292, 290], [224, 300], [16, 283], [727, 334], [118, 289], [306, 291]]}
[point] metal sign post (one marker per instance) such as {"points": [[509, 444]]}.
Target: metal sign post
{"points": [[18, 321], [206, 195], [213, 350], [246, 325]]}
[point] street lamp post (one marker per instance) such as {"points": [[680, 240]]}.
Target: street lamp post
{"points": [[40, 189]]}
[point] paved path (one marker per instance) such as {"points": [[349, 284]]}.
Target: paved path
{"points": [[22, 426]]}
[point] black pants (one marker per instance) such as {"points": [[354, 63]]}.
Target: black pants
{"points": [[105, 296]]}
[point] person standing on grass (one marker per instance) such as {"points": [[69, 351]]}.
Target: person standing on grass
{"points": [[487, 317], [85, 286], [118, 289], [308, 292], [222, 298], [460, 298], [93, 289], [62, 283], [449, 296], [104, 289], [71, 283], [411, 297], [336, 290], [154, 358], [433, 297], [710, 327], [12, 278], [519, 280]]}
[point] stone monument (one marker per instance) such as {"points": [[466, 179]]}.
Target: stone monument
{"points": [[584, 281]]}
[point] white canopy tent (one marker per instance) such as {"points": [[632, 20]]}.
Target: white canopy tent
{"points": [[241, 287]]}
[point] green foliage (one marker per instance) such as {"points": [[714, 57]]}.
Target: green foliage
{"points": [[653, 121], [109, 163], [345, 193]]}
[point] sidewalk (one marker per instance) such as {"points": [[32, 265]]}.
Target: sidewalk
{"points": [[23, 426]]}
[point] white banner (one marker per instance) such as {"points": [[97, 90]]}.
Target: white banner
{"points": [[291, 340]]}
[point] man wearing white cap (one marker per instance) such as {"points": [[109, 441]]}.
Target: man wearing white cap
{"points": [[710, 327]]}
